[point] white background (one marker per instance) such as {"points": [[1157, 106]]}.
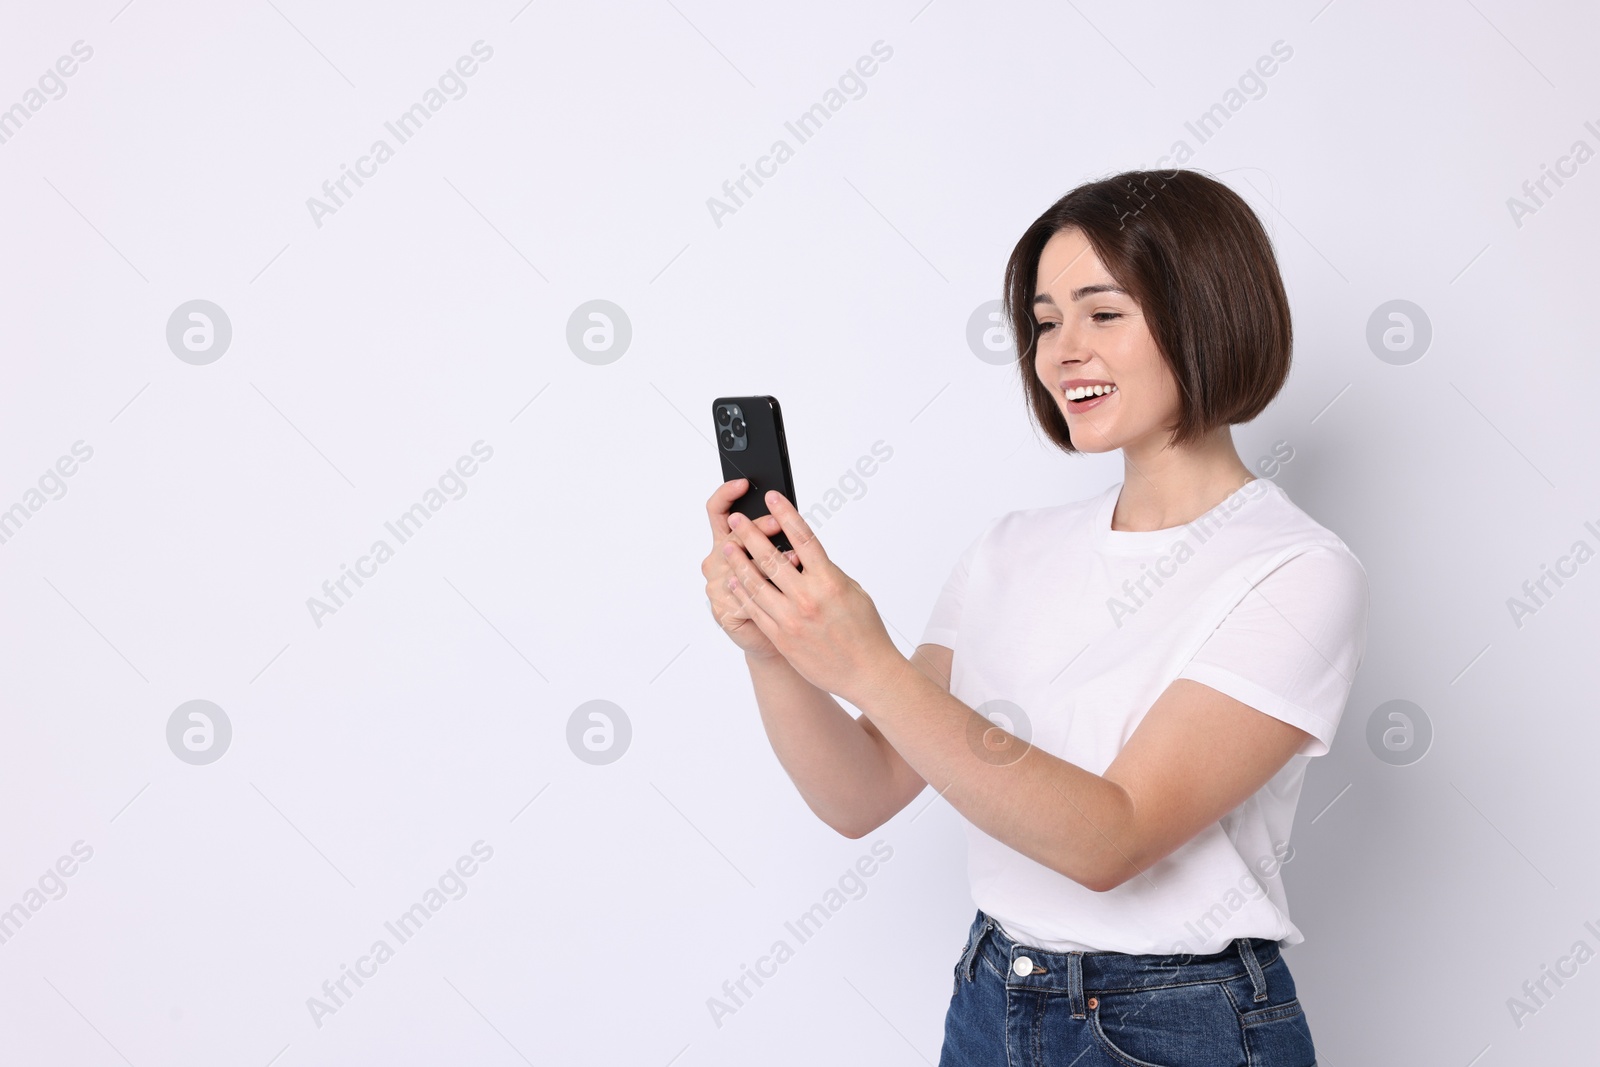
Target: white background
{"points": [[370, 352]]}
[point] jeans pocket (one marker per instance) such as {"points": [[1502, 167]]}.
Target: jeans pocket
{"points": [[1275, 1034], [1279, 1035], [1175, 1026]]}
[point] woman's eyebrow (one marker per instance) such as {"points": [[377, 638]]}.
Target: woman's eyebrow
{"points": [[1079, 294]]}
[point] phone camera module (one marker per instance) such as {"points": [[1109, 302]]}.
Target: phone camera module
{"points": [[731, 428]]}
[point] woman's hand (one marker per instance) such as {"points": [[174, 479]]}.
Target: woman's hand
{"points": [[821, 621], [725, 605]]}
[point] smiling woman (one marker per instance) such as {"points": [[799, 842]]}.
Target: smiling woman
{"points": [[1150, 316], [1149, 762], [1174, 276]]}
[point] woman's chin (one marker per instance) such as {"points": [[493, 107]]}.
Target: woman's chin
{"points": [[1088, 437]]}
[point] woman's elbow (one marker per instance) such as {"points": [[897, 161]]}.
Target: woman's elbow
{"points": [[1110, 873], [1104, 885]]}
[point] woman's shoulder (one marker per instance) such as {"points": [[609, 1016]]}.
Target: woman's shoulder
{"points": [[1292, 524], [1301, 547]]}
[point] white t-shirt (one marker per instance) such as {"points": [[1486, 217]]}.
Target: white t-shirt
{"points": [[1074, 628]]}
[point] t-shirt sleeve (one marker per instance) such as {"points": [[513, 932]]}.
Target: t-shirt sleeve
{"points": [[1292, 645], [946, 615]]}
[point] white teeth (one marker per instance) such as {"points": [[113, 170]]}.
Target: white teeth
{"points": [[1089, 390]]}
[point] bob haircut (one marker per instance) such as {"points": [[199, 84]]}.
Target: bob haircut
{"points": [[1197, 261]]}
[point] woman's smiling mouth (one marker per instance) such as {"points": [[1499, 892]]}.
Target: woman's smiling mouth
{"points": [[1082, 395]]}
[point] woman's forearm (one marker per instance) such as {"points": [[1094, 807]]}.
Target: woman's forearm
{"points": [[841, 770], [1075, 822]]}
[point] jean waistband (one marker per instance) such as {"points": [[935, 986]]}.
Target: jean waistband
{"points": [[1106, 972]]}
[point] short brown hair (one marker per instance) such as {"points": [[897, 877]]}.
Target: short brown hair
{"points": [[1196, 259]]}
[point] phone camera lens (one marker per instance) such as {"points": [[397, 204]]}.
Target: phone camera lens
{"points": [[722, 414], [738, 427], [727, 439]]}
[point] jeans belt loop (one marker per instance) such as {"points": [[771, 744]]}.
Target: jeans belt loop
{"points": [[1253, 965], [1075, 984], [977, 943]]}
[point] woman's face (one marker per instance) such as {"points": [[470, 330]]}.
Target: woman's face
{"points": [[1090, 329]]}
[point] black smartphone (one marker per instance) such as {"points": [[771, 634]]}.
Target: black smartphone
{"points": [[751, 443]]}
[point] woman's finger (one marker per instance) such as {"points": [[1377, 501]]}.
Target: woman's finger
{"points": [[795, 528], [748, 583], [721, 502], [773, 565]]}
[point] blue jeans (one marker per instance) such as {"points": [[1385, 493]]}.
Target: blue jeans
{"points": [[1016, 1006]]}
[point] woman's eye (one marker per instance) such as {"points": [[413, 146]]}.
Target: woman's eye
{"points": [[1045, 327], [1111, 314]]}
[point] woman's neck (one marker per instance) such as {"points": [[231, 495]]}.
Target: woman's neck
{"points": [[1168, 488]]}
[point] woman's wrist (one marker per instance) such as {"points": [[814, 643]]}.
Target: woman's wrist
{"points": [[764, 659]]}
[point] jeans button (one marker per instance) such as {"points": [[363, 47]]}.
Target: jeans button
{"points": [[1094, 1002], [1023, 966]]}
